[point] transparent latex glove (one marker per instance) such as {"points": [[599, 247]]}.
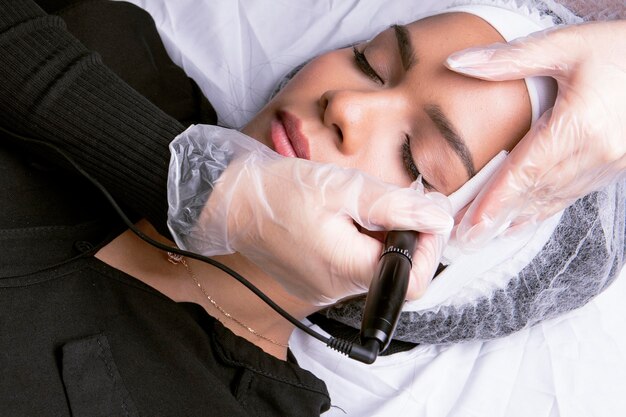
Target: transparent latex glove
{"points": [[294, 218], [577, 147]]}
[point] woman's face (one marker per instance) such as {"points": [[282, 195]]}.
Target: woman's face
{"points": [[392, 109]]}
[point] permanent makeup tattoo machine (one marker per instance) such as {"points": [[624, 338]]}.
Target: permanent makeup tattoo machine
{"points": [[385, 298], [388, 289]]}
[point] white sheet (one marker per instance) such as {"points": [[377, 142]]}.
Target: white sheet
{"points": [[571, 366]]}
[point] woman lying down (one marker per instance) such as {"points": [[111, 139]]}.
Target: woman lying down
{"points": [[388, 107]]}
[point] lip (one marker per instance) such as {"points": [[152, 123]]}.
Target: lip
{"points": [[287, 136]]}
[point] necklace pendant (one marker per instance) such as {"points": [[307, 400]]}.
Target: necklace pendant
{"points": [[174, 258]]}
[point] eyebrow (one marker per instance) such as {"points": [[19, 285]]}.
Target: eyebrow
{"points": [[407, 52], [451, 136], [434, 112]]}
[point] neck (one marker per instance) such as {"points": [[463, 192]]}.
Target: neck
{"points": [[246, 307], [133, 256]]}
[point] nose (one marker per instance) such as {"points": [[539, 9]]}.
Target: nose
{"points": [[355, 116]]}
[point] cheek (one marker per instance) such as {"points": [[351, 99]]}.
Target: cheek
{"points": [[301, 94], [323, 73], [381, 162]]}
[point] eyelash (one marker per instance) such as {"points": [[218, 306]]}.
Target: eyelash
{"points": [[407, 157], [365, 67], [409, 162]]}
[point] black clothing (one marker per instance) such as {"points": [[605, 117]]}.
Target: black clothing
{"points": [[129, 44], [78, 337], [55, 89], [84, 339]]}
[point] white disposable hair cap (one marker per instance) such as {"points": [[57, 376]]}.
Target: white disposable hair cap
{"points": [[512, 24]]}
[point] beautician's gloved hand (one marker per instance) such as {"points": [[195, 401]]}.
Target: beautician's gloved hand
{"points": [[295, 218], [577, 147]]}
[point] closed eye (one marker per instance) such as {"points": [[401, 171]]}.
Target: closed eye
{"points": [[409, 163], [365, 67]]}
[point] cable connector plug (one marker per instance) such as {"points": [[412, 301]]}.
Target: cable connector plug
{"points": [[366, 353]]}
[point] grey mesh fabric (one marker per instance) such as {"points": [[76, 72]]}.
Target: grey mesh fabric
{"points": [[596, 9], [584, 254]]}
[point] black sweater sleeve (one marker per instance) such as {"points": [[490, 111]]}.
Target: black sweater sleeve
{"points": [[52, 88]]}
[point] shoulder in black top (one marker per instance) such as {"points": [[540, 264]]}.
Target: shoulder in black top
{"points": [[78, 337]]}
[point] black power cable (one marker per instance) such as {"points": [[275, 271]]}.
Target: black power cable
{"points": [[366, 353]]}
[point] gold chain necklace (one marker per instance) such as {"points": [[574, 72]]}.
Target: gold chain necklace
{"points": [[175, 259]]}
